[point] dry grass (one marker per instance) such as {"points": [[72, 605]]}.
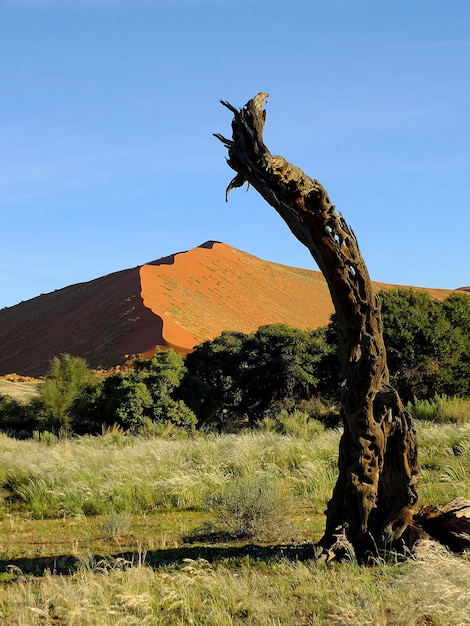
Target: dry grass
{"points": [[21, 390], [171, 484], [432, 590]]}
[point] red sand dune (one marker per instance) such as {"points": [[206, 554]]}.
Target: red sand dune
{"points": [[177, 301]]}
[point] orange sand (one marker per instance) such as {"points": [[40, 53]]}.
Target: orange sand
{"points": [[216, 287], [177, 301]]}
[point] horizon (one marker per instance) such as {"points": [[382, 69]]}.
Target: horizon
{"points": [[107, 157], [203, 245], [177, 301]]}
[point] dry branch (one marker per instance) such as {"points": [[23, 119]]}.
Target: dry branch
{"points": [[373, 499]]}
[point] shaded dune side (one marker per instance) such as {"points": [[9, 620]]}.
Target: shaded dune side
{"points": [[177, 301], [102, 321]]}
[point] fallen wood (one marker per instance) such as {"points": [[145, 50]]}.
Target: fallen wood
{"points": [[449, 524]]}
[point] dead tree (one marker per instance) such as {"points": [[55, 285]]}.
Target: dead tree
{"points": [[373, 500]]}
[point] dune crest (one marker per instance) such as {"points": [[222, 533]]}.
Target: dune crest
{"points": [[177, 301], [210, 289]]}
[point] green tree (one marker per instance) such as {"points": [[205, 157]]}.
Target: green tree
{"points": [[19, 419], [162, 373], [427, 342], [211, 387], [456, 309], [280, 368], [124, 401], [162, 376], [67, 378], [146, 393], [243, 377]]}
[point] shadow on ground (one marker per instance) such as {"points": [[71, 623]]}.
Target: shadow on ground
{"points": [[68, 564]]}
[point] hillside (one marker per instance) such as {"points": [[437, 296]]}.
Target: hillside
{"points": [[177, 301]]}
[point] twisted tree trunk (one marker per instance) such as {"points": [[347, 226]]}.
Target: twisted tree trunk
{"points": [[373, 499]]}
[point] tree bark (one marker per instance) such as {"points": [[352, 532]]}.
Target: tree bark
{"points": [[449, 524], [373, 500]]}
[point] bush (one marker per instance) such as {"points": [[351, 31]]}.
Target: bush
{"points": [[296, 423], [428, 342], [45, 437], [249, 506], [123, 401], [66, 379], [130, 401], [19, 419], [424, 410]]}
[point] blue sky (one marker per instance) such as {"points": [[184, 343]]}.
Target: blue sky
{"points": [[107, 158]]}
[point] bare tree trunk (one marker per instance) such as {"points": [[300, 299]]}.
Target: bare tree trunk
{"points": [[374, 496]]}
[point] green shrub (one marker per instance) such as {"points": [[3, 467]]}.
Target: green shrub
{"points": [[424, 410], [164, 430], [295, 423], [45, 437], [428, 342], [19, 419], [441, 408], [249, 506], [124, 401], [66, 379], [130, 401]]}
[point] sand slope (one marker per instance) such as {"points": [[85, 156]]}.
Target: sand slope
{"points": [[22, 391], [176, 301]]}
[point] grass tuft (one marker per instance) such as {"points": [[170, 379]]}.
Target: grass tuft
{"points": [[442, 409], [432, 590], [250, 506]]}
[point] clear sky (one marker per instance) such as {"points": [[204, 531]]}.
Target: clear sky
{"points": [[107, 110]]}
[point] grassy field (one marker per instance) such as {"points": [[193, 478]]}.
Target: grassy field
{"points": [[209, 530], [21, 390]]}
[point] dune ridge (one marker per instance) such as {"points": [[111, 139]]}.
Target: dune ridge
{"points": [[176, 301]]}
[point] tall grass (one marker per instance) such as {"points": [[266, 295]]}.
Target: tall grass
{"points": [[442, 409], [433, 589], [101, 475], [444, 452], [131, 475], [119, 476]]}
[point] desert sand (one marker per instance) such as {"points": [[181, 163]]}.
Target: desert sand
{"points": [[177, 301]]}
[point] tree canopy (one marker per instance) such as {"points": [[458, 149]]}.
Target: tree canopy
{"points": [[240, 376], [428, 342], [129, 400]]}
